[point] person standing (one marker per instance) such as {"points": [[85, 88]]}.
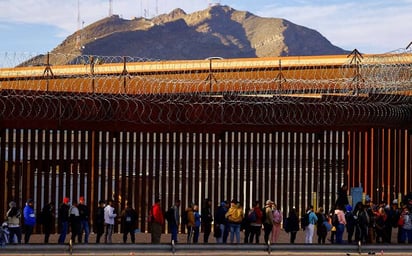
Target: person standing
{"points": [[341, 226], [47, 216], [75, 222], [310, 229], [221, 222], [350, 223], [196, 227], [277, 221], [190, 223], [268, 223], [157, 221], [361, 223], [321, 229], [256, 222], [173, 220], [63, 218], [13, 222], [406, 223], [29, 220], [84, 220], [207, 219], [235, 217], [99, 221], [109, 218], [246, 224], [129, 219], [292, 222]]}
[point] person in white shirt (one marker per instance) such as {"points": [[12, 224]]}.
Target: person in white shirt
{"points": [[109, 218]]}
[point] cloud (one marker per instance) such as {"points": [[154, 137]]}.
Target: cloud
{"points": [[376, 26]]}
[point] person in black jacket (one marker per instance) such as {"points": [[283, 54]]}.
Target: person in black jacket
{"points": [[47, 219], [129, 219], [293, 224], [221, 223], [63, 218], [207, 219], [84, 220], [99, 221]]}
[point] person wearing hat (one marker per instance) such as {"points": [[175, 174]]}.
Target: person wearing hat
{"points": [[268, 223], [63, 219], [13, 222], [84, 220], [29, 220]]}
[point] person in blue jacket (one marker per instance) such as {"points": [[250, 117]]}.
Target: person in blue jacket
{"points": [[29, 220]]}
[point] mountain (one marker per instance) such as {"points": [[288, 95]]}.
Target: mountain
{"points": [[216, 31]]}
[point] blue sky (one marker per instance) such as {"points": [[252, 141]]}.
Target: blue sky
{"points": [[37, 26]]}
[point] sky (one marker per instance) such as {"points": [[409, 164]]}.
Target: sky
{"points": [[379, 26]]}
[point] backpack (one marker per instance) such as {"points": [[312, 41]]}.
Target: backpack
{"points": [[170, 215], [304, 222], [184, 217], [129, 216], [252, 216]]}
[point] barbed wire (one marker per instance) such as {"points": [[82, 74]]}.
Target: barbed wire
{"points": [[287, 91]]}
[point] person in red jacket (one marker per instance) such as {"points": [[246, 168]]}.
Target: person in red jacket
{"points": [[256, 222], [157, 221]]}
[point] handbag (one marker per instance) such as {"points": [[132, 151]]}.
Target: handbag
{"points": [[327, 225]]}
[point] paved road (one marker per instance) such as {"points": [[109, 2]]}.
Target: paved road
{"points": [[143, 247]]}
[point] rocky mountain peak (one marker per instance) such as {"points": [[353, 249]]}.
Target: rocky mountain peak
{"points": [[216, 31]]}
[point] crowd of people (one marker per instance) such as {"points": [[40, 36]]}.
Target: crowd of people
{"points": [[366, 222], [73, 216]]}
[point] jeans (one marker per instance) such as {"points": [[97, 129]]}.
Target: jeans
{"points": [[28, 230], [339, 233], [196, 231], [406, 236], [109, 232], [63, 232], [219, 240], [84, 226], [15, 231], [173, 231], [234, 231], [309, 231]]}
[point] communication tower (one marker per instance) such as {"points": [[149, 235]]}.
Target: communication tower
{"points": [[213, 3], [110, 8]]}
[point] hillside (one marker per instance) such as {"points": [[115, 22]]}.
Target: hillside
{"points": [[217, 31]]}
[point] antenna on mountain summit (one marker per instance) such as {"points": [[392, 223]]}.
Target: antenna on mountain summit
{"points": [[110, 8], [213, 3]]}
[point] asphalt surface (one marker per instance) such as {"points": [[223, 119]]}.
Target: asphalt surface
{"points": [[144, 247]]}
